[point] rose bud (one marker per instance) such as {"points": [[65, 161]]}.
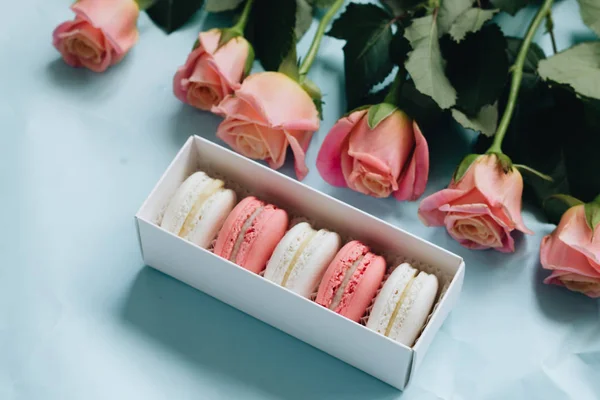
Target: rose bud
{"points": [[213, 70], [388, 157], [481, 206], [102, 32], [572, 251]]}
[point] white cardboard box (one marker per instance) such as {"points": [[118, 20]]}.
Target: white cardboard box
{"points": [[346, 340]]}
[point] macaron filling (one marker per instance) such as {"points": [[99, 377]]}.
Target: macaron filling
{"points": [[296, 256], [405, 304], [391, 308], [195, 214], [245, 227], [339, 294], [400, 304]]}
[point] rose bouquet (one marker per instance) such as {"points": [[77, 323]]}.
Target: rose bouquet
{"points": [[411, 69]]}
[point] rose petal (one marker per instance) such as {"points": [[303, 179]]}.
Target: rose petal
{"points": [[502, 190], [236, 108], [413, 180], [185, 71], [576, 234], [299, 150], [429, 209], [116, 18], [280, 101], [329, 159]]}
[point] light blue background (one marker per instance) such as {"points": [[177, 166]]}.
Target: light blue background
{"points": [[82, 318]]}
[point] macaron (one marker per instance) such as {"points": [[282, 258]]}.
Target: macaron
{"points": [[250, 233], [402, 306], [351, 281], [198, 209], [301, 257]]}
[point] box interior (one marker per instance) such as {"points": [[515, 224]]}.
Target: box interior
{"points": [[302, 203]]}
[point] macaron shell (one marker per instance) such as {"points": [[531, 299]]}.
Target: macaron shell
{"points": [[183, 200], [313, 262], [261, 239], [362, 287], [388, 298], [415, 308], [336, 271], [233, 225], [214, 213], [285, 251]]}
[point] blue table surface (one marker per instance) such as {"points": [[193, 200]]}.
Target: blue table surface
{"points": [[81, 317]]}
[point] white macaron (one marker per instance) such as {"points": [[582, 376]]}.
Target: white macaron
{"points": [[301, 258], [402, 306], [198, 209]]}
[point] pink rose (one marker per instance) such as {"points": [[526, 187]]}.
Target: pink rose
{"points": [[572, 253], [482, 209], [101, 34], [269, 112], [392, 158], [211, 73]]}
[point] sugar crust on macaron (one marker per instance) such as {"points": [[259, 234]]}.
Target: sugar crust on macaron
{"points": [[404, 303], [198, 209], [301, 258]]}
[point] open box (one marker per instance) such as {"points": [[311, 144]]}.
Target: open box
{"points": [[371, 352]]}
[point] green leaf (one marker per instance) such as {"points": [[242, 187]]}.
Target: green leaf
{"points": [[464, 165], [366, 28], [536, 137], [486, 120], [215, 6], [556, 205], [580, 141], [590, 13], [449, 11], [470, 21], [510, 6], [378, 113], [592, 214], [304, 17], [576, 67], [534, 54], [418, 106], [425, 63], [170, 15], [481, 80], [399, 48], [400, 7], [322, 3], [274, 36]]}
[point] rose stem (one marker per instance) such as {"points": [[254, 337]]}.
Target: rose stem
{"points": [[517, 76], [241, 23], [550, 29], [314, 46], [392, 95]]}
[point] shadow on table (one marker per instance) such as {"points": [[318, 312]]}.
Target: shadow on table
{"points": [[188, 121], [561, 304], [82, 82], [213, 336]]}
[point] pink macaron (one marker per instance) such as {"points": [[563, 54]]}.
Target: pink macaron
{"points": [[351, 281], [251, 233]]}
